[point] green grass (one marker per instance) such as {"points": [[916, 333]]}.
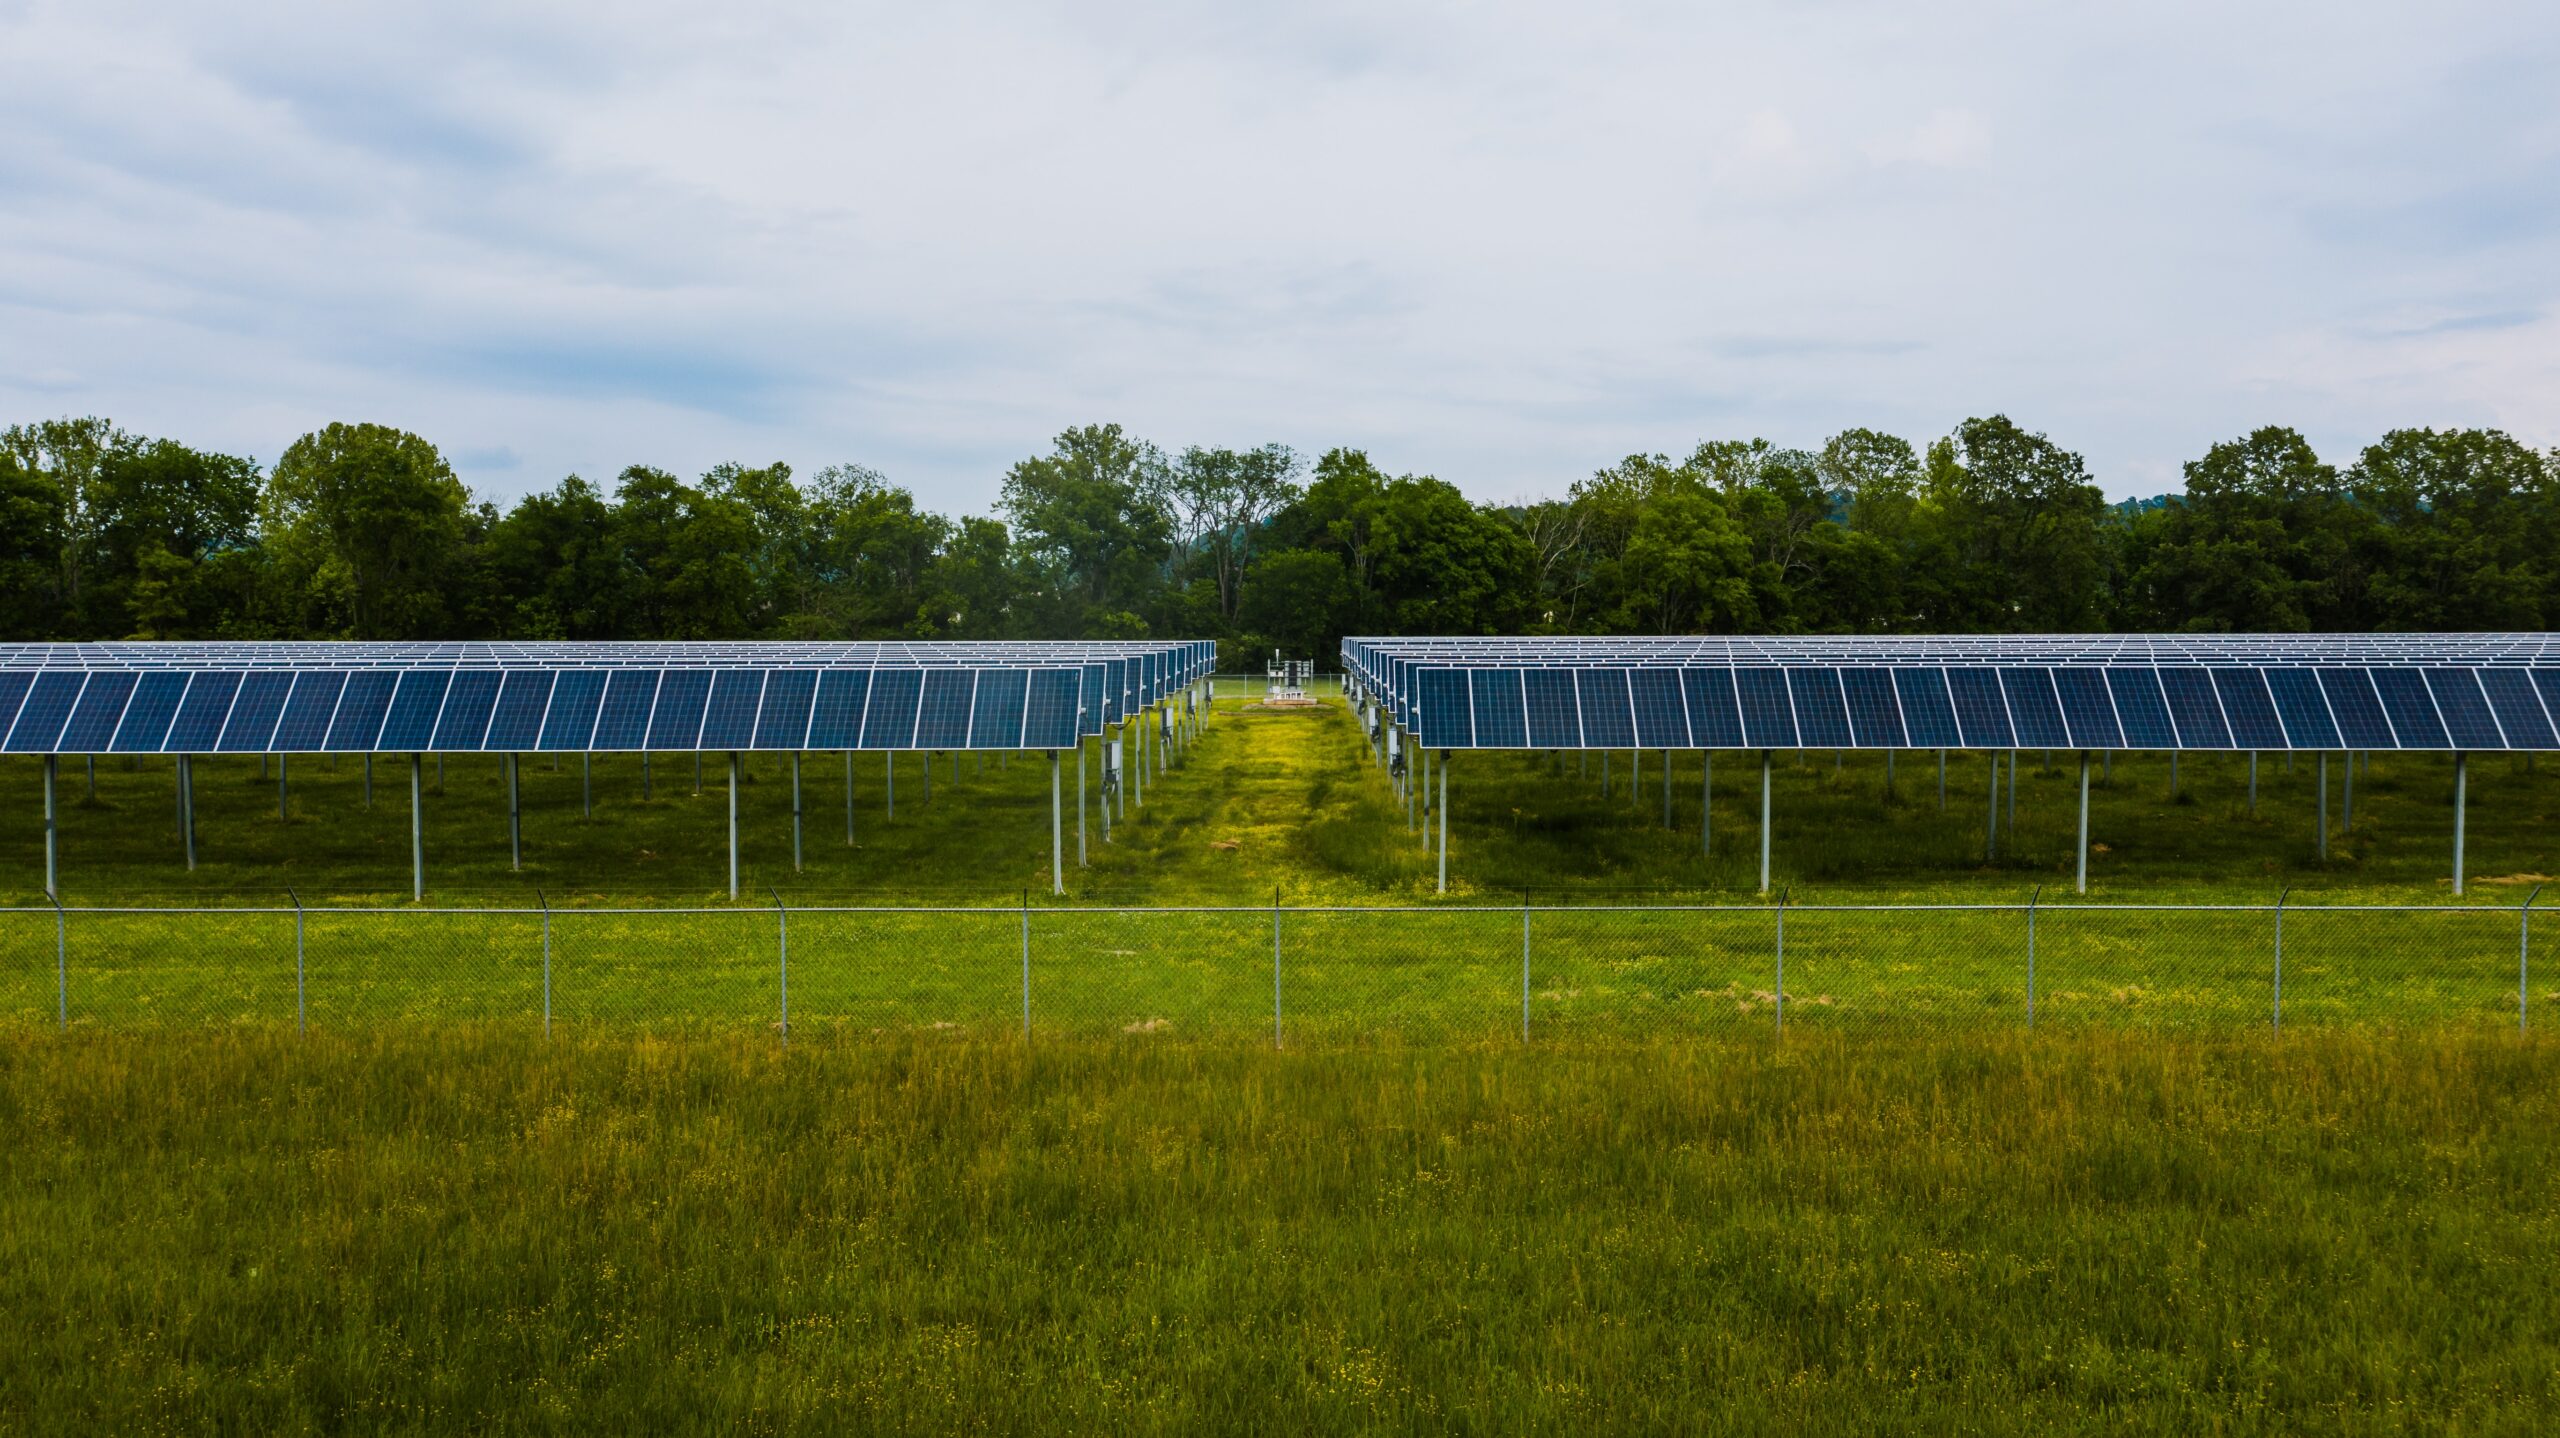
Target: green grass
{"points": [[475, 1230]]}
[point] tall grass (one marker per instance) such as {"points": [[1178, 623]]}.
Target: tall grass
{"points": [[472, 1229]]}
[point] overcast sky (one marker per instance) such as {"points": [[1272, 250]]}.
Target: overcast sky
{"points": [[1504, 244]]}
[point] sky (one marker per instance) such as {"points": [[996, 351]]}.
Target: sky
{"points": [[1504, 244]]}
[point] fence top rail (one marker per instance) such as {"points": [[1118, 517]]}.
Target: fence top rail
{"points": [[1257, 910]]}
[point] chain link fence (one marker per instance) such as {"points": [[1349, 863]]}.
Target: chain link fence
{"points": [[1285, 974]]}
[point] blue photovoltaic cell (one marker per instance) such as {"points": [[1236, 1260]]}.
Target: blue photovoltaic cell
{"points": [[2301, 709], [889, 720], [307, 712], [1662, 720], [2251, 709], [147, 718], [2034, 708], [1768, 720], [1608, 720], [1822, 720], [516, 724], [1982, 715], [783, 722], [1928, 714], [2193, 708], [1445, 720], [48, 705], [468, 704], [200, 717], [2519, 712], [2546, 680], [411, 723], [943, 720], [1091, 700], [622, 721], [1875, 720], [2142, 708], [995, 716], [2465, 710], [13, 692], [1555, 722], [1115, 695], [254, 712], [676, 721], [2358, 709], [835, 719], [1715, 714], [360, 710], [730, 720], [2088, 711], [575, 701], [1499, 720], [93, 719], [1049, 716], [2412, 709]]}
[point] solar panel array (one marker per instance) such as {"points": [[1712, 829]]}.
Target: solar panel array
{"points": [[458, 698], [2219, 692]]}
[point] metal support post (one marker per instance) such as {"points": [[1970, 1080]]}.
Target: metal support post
{"points": [[2524, 953], [1057, 831], [1764, 820], [1942, 781], [795, 811], [1635, 776], [889, 782], [2012, 822], [284, 786], [515, 820], [697, 773], [2347, 796], [1275, 968], [1706, 802], [1524, 971], [1666, 788], [301, 1011], [2461, 798], [1443, 768], [1991, 818], [1780, 995], [2324, 805], [368, 782], [417, 829], [52, 889], [733, 823], [925, 763], [782, 954], [61, 966], [545, 902], [2084, 821], [2276, 1015], [2031, 929], [587, 785], [2253, 783], [187, 807], [848, 798], [1081, 859], [2173, 776], [646, 783], [1026, 968]]}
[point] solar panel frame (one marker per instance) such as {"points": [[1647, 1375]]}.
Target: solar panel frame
{"points": [[569, 720], [1498, 711], [1715, 709], [835, 714], [470, 702], [891, 709], [97, 712], [1822, 714], [1875, 714], [1554, 712], [2088, 707], [675, 720], [1928, 708], [1768, 711], [1661, 712], [999, 708], [1981, 707]]}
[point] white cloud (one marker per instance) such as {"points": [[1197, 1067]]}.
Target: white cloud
{"points": [[1504, 244]]}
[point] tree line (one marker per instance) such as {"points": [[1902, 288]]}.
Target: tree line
{"points": [[362, 531]]}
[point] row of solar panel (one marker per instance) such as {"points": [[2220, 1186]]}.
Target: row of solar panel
{"points": [[2118, 707], [453, 711]]}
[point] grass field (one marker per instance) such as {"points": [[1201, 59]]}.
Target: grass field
{"points": [[467, 1230]]}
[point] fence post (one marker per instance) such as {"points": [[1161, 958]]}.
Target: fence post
{"points": [[1275, 967], [301, 1014], [1026, 966], [1524, 968], [2278, 1018], [1781, 1005], [2031, 927], [539, 898], [61, 964], [2524, 952], [782, 941]]}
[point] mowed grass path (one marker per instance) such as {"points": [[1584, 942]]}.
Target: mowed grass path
{"points": [[463, 1231]]}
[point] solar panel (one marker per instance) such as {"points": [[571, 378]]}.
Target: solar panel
{"points": [[943, 720], [147, 718], [1715, 712], [1500, 720], [1446, 716], [2088, 711], [1982, 712], [2249, 707], [2520, 712], [255, 711], [729, 720], [1049, 719], [1555, 717], [889, 722], [2142, 708], [1608, 714], [2302, 709], [676, 721], [94, 718], [1768, 719], [360, 710], [200, 714], [622, 721], [996, 714], [13, 693], [783, 722], [1875, 718], [1822, 720], [411, 723], [2194, 709], [1928, 713], [2034, 708], [2465, 709], [835, 716], [516, 724], [2411, 708], [47, 709], [2357, 708], [307, 712], [570, 724], [1662, 718], [468, 704]]}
